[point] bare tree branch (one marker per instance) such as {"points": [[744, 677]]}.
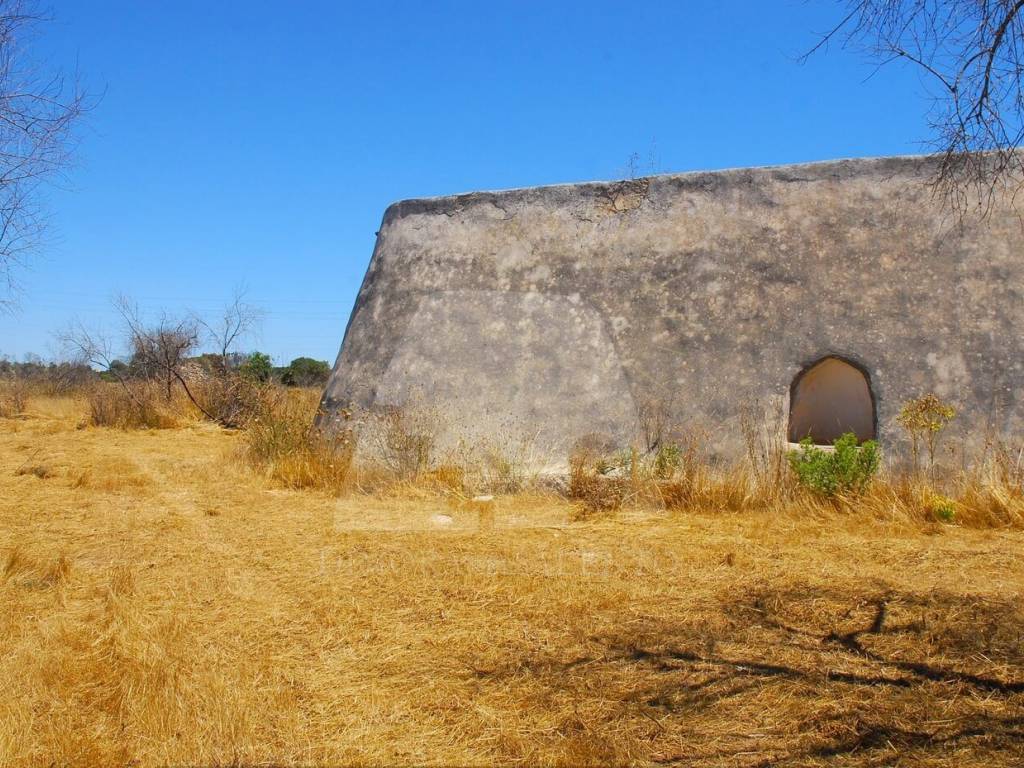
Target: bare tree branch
{"points": [[161, 350], [38, 112], [972, 52], [238, 321], [94, 349]]}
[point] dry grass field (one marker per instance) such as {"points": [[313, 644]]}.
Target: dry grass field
{"points": [[163, 603]]}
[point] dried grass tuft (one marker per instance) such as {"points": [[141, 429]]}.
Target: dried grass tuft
{"points": [[282, 442], [35, 572], [139, 406]]}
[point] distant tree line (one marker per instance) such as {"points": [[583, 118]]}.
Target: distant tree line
{"points": [[51, 376], [195, 355], [300, 372], [64, 376]]}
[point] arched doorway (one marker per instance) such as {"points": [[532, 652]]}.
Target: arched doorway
{"points": [[828, 399]]}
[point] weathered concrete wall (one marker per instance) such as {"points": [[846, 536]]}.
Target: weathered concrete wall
{"points": [[564, 309]]}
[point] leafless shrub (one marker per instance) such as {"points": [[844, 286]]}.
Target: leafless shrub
{"points": [[508, 466], [230, 399], [1006, 463], [446, 478], [158, 353], [47, 378], [763, 426], [681, 470], [159, 349], [595, 445], [162, 350], [13, 397], [653, 415], [508, 459], [680, 473], [238, 321]]}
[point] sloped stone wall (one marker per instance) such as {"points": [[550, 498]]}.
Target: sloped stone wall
{"points": [[568, 310]]}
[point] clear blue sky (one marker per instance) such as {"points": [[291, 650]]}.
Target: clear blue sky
{"points": [[259, 143]]}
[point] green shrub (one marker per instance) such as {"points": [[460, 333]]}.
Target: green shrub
{"points": [[257, 367], [667, 460], [943, 508], [305, 372], [848, 468]]}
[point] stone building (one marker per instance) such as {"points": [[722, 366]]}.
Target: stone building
{"points": [[832, 292]]}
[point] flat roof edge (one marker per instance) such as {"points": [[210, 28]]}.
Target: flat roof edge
{"points": [[818, 169]]}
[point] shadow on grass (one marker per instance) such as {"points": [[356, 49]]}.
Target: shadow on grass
{"points": [[850, 674]]}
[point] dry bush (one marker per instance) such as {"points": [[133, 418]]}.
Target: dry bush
{"points": [[63, 380], [678, 474], [398, 453], [140, 405], [728, 490], [681, 472], [1003, 461], [406, 449], [42, 471], [446, 479], [972, 500], [505, 466], [653, 421], [506, 461], [229, 399], [763, 427], [50, 379], [760, 479], [400, 441], [991, 495], [594, 491], [282, 441], [13, 397]]}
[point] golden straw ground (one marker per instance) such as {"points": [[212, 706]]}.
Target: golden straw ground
{"points": [[161, 603]]}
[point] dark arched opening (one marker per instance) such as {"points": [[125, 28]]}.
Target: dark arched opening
{"points": [[829, 398]]}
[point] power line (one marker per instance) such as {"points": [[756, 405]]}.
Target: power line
{"points": [[182, 299]]}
